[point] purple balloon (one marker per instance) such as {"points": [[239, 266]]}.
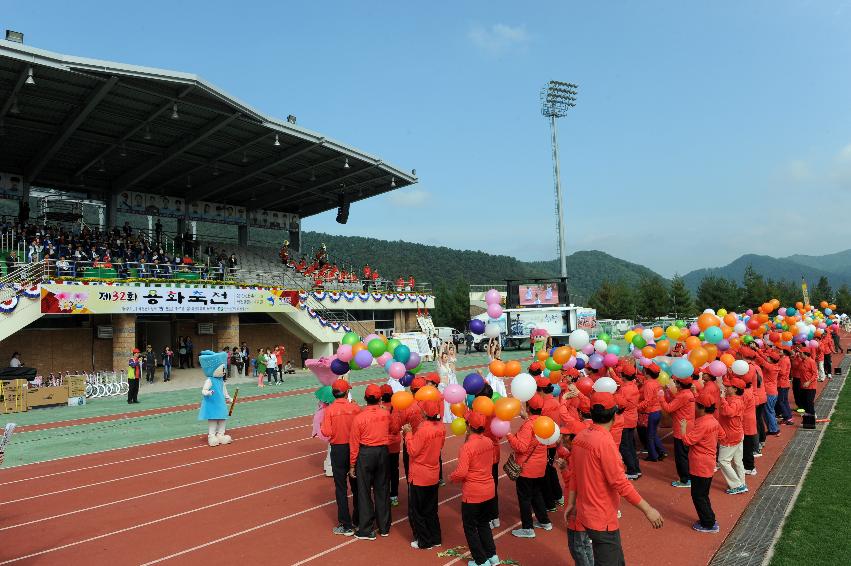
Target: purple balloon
{"points": [[694, 329], [413, 361], [723, 345], [569, 363], [339, 367], [363, 359], [637, 353], [580, 363], [473, 383], [407, 379], [588, 349], [477, 326], [595, 361]]}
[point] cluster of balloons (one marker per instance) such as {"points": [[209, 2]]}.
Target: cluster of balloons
{"points": [[397, 359], [494, 310]]}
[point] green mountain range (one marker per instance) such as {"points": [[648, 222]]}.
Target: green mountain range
{"points": [[835, 267]]}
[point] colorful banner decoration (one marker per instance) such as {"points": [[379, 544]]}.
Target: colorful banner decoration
{"points": [[349, 296]]}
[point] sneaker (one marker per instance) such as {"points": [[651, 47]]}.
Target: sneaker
{"points": [[441, 483], [776, 433], [750, 472], [416, 545], [681, 483], [341, 530], [642, 451], [619, 514], [788, 422], [545, 526], [757, 454], [801, 411], [560, 501], [494, 524], [494, 560], [474, 563], [553, 510], [742, 489], [701, 529], [633, 476], [717, 467], [369, 536], [663, 455], [523, 533], [394, 501], [387, 534]]}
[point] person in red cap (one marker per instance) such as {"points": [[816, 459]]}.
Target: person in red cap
{"points": [[627, 398], [680, 407], [337, 426], [597, 483], [413, 416], [368, 442], [395, 445], [578, 542], [809, 377], [487, 391], [531, 455], [784, 383], [702, 437], [475, 461], [650, 405], [750, 443], [730, 449], [768, 362], [424, 448], [433, 378], [553, 495]]}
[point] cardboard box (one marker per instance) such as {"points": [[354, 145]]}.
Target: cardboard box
{"points": [[14, 396], [46, 396], [76, 386], [77, 401]]}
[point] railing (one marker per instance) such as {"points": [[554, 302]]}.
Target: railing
{"points": [[502, 288], [188, 273], [24, 274]]}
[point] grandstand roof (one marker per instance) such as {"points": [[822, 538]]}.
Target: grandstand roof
{"points": [[102, 128]]}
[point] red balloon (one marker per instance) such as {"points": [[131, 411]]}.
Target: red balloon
{"points": [[585, 384]]}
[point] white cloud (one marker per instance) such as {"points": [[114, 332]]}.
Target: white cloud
{"points": [[498, 38], [799, 171], [842, 167], [409, 198]]}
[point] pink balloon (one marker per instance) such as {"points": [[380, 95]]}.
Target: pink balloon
{"points": [[397, 370], [344, 353], [500, 428], [384, 358], [637, 353], [610, 360], [588, 349], [492, 297], [370, 338], [569, 363], [454, 393], [494, 310], [717, 368]]}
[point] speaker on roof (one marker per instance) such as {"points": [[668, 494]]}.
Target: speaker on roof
{"points": [[343, 210]]}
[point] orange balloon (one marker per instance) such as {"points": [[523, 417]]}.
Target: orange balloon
{"points": [[706, 320], [506, 408], [662, 347], [762, 318], [544, 427], [799, 305], [730, 319], [555, 376], [428, 393], [726, 331], [728, 359], [649, 352], [832, 307], [483, 405], [775, 303], [542, 355], [561, 355], [657, 331], [692, 342], [497, 368], [358, 347], [458, 409], [786, 336], [735, 343], [401, 400], [698, 356], [712, 350], [512, 368]]}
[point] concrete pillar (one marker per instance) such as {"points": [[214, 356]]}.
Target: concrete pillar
{"points": [[242, 234], [227, 331], [123, 339], [112, 210], [323, 349]]}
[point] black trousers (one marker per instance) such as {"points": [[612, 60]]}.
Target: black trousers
{"points": [[761, 424], [393, 473], [340, 469], [373, 499], [828, 365], [530, 497], [796, 393], [475, 518], [749, 445], [808, 398], [628, 453], [422, 512], [133, 392], [642, 435], [553, 486], [681, 459], [607, 548], [149, 373], [495, 506], [700, 497]]}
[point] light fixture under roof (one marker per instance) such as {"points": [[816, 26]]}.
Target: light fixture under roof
{"points": [[253, 197], [393, 182], [277, 141], [123, 152], [174, 114], [101, 167], [30, 79], [188, 182], [346, 164], [147, 132]]}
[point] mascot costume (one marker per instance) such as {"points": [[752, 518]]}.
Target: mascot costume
{"points": [[321, 368], [214, 396]]}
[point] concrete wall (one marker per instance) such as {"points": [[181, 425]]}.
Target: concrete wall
{"points": [[270, 335], [63, 349]]}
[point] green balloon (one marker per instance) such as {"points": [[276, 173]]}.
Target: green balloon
{"points": [[638, 341], [495, 397], [702, 337], [680, 324], [391, 345], [747, 338], [416, 370], [351, 338], [604, 336], [353, 365], [376, 347], [552, 365]]}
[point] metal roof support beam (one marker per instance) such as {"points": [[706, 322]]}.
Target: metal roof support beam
{"points": [[313, 188], [22, 77], [68, 128], [151, 117], [269, 179], [215, 187], [217, 159], [184, 144]]}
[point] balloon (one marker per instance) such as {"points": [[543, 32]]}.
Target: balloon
{"points": [[600, 346], [339, 367], [595, 361], [512, 368], [682, 368], [359, 347], [350, 339], [717, 368], [402, 353], [648, 335], [556, 391], [376, 347], [499, 427], [544, 427], [483, 405], [427, 393], [587, 349], [614, 349], [383, 359], [494, 310], [740, 367], [492, 297], [555, 376], [648, 352], [523, 387], [363, 359], [473, 383], [552, 365], [604, 336], [458, 426], [392, 344], [672, 332], [698, 356], [727, 359], [401, 400], [497, 368], [454, 393], [413, 360], [551, 440], [580, 363], [713, 334], [506, 408], [664, 379], [477, 326], [562, 354], [396, 370], [492, 330], [610, 360], [578, 338], [344, 353], [638, 341], [458, 409], [630, 334], [407, 379], [585, 385], [605, 385]]}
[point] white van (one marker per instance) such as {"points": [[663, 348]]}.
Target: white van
{"points": [[448, 334]]}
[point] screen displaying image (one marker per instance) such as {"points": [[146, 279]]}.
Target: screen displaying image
{"points": [[546, 294]]}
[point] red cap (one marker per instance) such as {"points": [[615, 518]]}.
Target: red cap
{"points": [[418, 383], [706, 399], [386, 390], [627, 369], [653, 367], [536, 402], [136, 351], [572, 426], [542, 382], [432, 377], [607, 400], [737, 382], [535, 367], [684, 380], [341, 385], [373, 391], [431, 408], [476, 420], [572, 372], [747, 352]]}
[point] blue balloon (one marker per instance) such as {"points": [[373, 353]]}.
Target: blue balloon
{"points": [[828, 312], [407, 379], [388, 364], [402, 353], [477, 326], [469, 401], [580, 363], [473, 383], [614, 349], [556, 391], [790, 311], [713, 334], [339, 367], [682, 368]]}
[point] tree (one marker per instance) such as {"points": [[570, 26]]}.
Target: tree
{"points": [[681, 301], [653, 299], [843, 299], [613, 300], [822, 291], [717, 292], [754, 289], [451, 304]]}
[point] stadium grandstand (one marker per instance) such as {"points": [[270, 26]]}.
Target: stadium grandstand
{"points": [[140, 205]]}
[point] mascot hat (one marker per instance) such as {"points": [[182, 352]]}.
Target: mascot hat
{"points": [[210, 361]]}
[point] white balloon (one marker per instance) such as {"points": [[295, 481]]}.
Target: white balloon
{"points": [[523, 387], [492, 330], [740, 328], [600, 346], [582, 356], [551, 440], [605, 385], [710, 311], [578, 338], [740, 367], [647, 334]]}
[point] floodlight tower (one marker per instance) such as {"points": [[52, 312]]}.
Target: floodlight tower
{"points": [[556, 99]]}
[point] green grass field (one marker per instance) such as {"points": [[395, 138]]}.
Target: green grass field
{"points": [[818, 530]]}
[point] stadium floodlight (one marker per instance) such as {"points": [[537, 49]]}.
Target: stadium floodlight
{"points": [[30, 79], [174, 114], [102, 167], [346, 164], [16, 36], [189, 181], [291, 119], [244, 157], [123, 152], [556, 99]]}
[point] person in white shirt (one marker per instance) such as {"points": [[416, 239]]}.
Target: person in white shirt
{"points": [[15, 362], [272, 367]]}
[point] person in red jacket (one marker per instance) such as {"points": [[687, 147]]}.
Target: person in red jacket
{"points": [[368, 442], [730, 450], [825, 367], [784, 383], [680, 407], [598, 482], [553, 495], [702, 436], [627, 398], [750, 443], [395, 445], [477, 490], [767, 361], [650, 405], [336, 426], [424, 448], [531, 455], [487, 391], [578, 542], [413, 416], [809, 377]]}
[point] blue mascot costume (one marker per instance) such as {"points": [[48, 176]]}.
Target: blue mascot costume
{"points": [[214, 396]]}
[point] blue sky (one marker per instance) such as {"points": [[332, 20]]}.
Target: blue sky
{"points": [[703, 130]]}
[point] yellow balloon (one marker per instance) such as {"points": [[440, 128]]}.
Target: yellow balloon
{"points": [[672, 332], [663, 379], [458, 426], [722, 313], [629, 336]]}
